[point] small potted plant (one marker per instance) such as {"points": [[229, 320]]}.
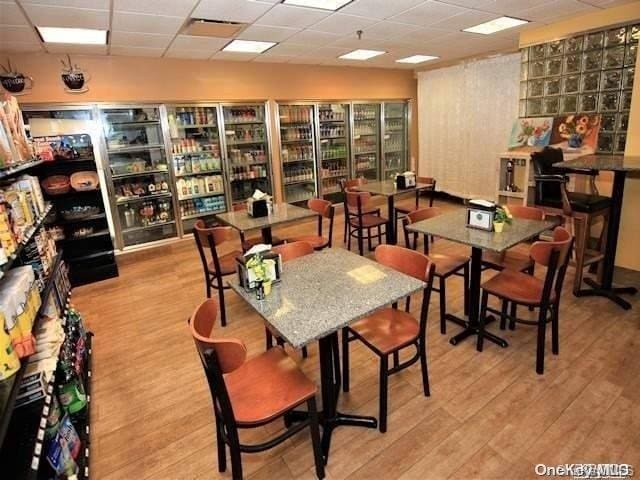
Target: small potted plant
{"points": [[501, 217], [260, 267]]}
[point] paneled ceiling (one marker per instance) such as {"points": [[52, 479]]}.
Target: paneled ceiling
{"points": [[152, 28]]}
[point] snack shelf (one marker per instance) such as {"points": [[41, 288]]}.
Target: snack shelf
{"points": [[142, 198], [201, 195], [99, 233], [147, 227], [88, 218], [201, 172], [12, 170], [135, 148], [138, 174], [85, 433]]}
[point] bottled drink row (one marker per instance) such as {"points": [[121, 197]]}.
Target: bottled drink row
{"points": [[299, 194], [394, 143], [330, 185], [394, 124], [248, 172], [295, 114], [365, 145], [333, 151], [294, 154], [331, 116], [364, 112], [201, 206], [191, 145], [299, 174], [296, 133], [393, 161], [368, 128], [332, 131], [247, 157], [190, 164], [245, 135], [365, 162], [147, 213], [200, 185], [187, 116], [242, 114], [334, 169]]}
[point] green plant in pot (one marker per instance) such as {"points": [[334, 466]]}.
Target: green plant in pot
{"points": [[502, 216], [260, 267]]}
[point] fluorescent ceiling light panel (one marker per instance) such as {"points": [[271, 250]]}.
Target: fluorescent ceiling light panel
{"points": [[496, 25], [332, 5], [416, 59], [248, 46], [361, 54], [82, 36]]}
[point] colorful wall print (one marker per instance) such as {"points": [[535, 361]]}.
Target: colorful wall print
{"points": [[530, 132], [576, 133]]}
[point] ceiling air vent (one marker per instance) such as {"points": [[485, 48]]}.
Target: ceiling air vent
{"points": [[213, 28]]}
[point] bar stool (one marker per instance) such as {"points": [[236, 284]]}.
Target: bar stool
{"points": [[407, 206], [251, 393], [208, 238], [388, 331], [325, 210], [445, 265], [357, 206], [518, 288], [348, 185]]}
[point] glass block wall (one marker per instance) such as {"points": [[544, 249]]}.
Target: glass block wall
{"points": [[592, 72]]}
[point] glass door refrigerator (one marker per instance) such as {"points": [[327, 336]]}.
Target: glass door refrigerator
{"points": [[366, 140], [140, 183], [246, 139], [394, 145], [333, 122], [298, 153], [196, 161]]}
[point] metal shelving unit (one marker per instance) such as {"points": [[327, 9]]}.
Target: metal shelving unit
{"points": [[365, 135], [334, 148], [395, 152]]}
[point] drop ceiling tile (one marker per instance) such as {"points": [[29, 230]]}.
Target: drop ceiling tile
{"points": [[267, 34], [49, 16], [294, 17], [136, 51], [187, 53], [190, 42], [287, 49], [17, 33], [234, 11], [234, 56], [326, 52], [71, 49], [142, 23], [273, 58], [506, 7], [386, 29], [343, 24], [131, 39], [10, 14], [428, 13], [97, 4], [380, 9], [175, 8], [418, 37], [555, 10], [21, 47], [313, 39], [464, 20], [352, 42]]}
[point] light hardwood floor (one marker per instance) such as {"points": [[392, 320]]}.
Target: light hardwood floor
{"points": [[489, 414]]}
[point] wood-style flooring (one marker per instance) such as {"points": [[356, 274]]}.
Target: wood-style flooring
{"points": [[489, 415]]}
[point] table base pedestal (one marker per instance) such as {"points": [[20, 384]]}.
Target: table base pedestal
{"points": [[470, 330], [612, 293]]}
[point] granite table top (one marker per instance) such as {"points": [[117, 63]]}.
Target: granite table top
{"points": [[452, 226], [388, 188], [320, 293], [282, 213], [612, 163]]}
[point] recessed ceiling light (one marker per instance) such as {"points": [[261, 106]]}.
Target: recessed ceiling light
{"points": [[73, 35], [416, 59], [496, 25], [361, 54], [248, 46], [321, 4]]}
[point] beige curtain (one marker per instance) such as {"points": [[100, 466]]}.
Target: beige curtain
{"points": [[466, 113]]}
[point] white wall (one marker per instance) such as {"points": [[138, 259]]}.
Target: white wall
{"points": [[466, 113]]}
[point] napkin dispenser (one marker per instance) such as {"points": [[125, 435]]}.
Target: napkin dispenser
{"points": [[258, 208], [247, 277], [406, 180], [480, 214]]}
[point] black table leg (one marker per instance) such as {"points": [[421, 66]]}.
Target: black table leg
{"points": [[471, 326], [266, 236], [606, 289], [391, 225]]}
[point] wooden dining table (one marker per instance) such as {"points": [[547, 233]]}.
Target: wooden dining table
{"points": [[317, 296]]}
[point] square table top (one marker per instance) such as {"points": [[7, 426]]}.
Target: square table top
{"points": [[282, 213], [453, 226], [388, 188], [612, 163], [320, 293]]}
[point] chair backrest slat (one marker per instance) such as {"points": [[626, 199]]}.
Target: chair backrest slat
{"points": [[409, 262], [529, 213], [292, 250], [423, 214], [541, 251]]}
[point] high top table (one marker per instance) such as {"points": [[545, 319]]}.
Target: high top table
{"points": [[317, 295], [387, 188], [282, 213], [452, 226], [620, 165]]}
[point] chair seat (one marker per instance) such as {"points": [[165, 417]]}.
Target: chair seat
{"points": [[406, 206], [267, 386], [447, 264], [367, 221], [227, 263], [250, 242], [317, 241], [387, 330], [511, 260], [517, 287], [581, 202]]}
